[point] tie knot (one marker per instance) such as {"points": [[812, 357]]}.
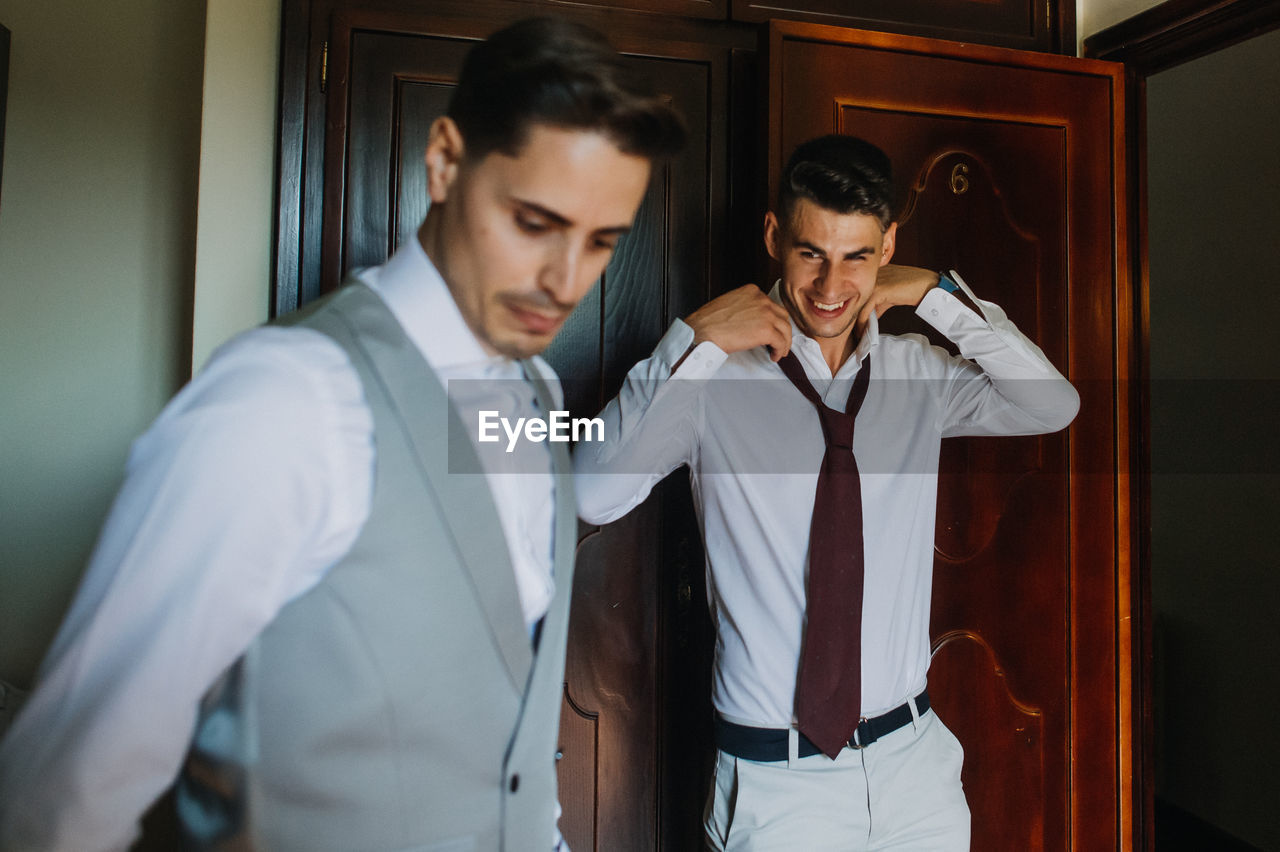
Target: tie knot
{"points": [[837, 427]]}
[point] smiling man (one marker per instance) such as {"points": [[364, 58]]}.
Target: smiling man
{"points": [[812, 442], [296, 609]]}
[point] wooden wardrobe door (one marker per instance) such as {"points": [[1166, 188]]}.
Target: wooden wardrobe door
{"points": [[637, 685], [1008, 169]]}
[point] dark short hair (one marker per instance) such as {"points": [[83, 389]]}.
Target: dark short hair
{"points": [[840, 173], [559, 73]]}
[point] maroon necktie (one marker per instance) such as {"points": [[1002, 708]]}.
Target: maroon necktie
{"points": [[829, 687]]}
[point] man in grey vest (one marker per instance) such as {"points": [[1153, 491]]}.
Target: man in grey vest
{"points": [[314, 602]]}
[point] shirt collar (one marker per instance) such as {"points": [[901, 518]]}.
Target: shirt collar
{"points": [[422, 303], [870, 336]]}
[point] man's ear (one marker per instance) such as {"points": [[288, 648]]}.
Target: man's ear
{"points": [[443, 157], [890, 243], [773, 236]]}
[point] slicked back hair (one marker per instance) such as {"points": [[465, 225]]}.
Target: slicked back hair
{"points": [[844, 174], [562, 74]]}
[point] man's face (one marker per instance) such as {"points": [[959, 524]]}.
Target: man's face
{"points": [[829, 265], [521, 239]]}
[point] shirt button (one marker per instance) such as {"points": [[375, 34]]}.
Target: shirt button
{"points": [[935, 313], [515, 782]]}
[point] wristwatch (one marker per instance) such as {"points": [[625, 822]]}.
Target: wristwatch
{"points": [[945, 282]]}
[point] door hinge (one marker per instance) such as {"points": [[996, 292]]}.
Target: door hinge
{"points": [[324, 66]]}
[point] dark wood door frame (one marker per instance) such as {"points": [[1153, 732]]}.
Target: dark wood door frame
{"points": [[1178, 31], [1160, 38], [4, 86]]}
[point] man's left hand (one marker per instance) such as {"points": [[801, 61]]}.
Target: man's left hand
{"points": [[897, 285]]}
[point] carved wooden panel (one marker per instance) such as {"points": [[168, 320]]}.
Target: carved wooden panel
{"points": [[610, 683], [1047, 26], [986, 197], [1011, 812], [1004, 168], [398, 85]]}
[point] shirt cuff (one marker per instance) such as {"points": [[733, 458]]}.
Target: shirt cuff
{"points": [[941, 309], [700, 363]]}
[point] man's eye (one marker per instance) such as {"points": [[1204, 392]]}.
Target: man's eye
{"points": [[810, 255], [530, 224], [605, 244]]}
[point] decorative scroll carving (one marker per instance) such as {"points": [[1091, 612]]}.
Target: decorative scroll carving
{"points": [[999, 213], [956, 191], [1004, 740]]}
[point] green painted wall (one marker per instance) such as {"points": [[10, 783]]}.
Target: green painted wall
{"points": [[97, 246]]}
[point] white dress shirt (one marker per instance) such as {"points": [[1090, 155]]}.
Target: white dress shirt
{"points": [[252, 483], [753, 444]]}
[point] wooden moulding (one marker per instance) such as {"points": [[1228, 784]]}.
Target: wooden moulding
{"points": [[4, 92]]}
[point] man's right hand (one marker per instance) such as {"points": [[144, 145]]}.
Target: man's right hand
{"points": [[743, 319]]}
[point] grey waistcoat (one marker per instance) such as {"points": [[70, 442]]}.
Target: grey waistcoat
{"points": [[398, 705]]}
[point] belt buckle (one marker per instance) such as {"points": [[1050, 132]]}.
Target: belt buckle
{"points": [[854, 741]]}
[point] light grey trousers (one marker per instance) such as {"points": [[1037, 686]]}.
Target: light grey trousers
{"points": [[901, 793]]}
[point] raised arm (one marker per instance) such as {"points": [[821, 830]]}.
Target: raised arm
{"points": [[652, 425], [1003, 384]]}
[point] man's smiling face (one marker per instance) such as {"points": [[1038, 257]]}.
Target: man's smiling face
{"points": [[829, 265]]}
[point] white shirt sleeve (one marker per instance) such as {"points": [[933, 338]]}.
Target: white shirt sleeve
{"points": [[613, 476], [1003, 384], [249, 485]]}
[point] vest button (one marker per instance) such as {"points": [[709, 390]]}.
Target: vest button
{"points": [[515, 782]]}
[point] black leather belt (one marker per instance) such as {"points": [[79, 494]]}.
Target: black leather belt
{"points": [[768, 744]]}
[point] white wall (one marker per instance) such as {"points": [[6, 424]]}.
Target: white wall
{"points": [[97, 224], [237, 171]]}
